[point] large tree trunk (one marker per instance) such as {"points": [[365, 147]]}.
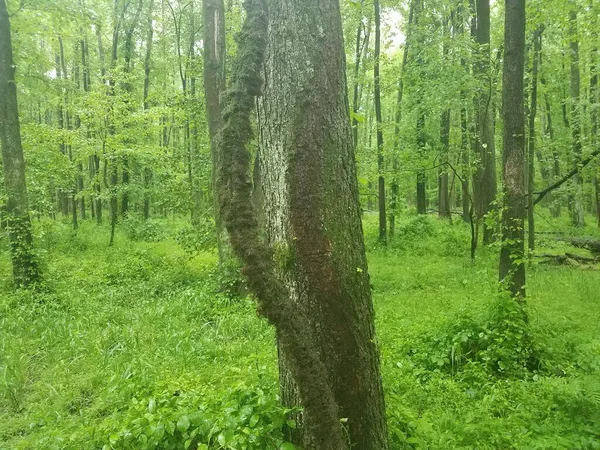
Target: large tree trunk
{"points": [[18, 223], [313, 215], [512, 267], [484, 188], [314, 272]]}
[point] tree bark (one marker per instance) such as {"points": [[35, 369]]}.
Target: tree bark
{"points": [[537, 37], [379, 125], [486, 183], [398, 120], [578, 218], [595, 104], [444, 207], [313, 217], [512, 267], [148, 174], [213, 17], [16, 210]]}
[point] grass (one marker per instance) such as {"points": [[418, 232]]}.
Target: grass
{"points": [[116, 331]]}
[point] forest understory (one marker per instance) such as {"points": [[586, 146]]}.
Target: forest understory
{"points": [[141, 345]]}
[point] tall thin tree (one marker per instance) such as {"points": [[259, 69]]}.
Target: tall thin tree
{"points": [[512, 267], [16, 210]]}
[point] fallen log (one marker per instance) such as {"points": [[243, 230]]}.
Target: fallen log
{"points": [[591, 244], [569, 259]]}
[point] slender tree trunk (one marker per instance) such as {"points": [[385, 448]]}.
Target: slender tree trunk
{"points": [[595, 102], [512, 267], [16, 210], [549, 134], [95, 157], [213, 22], [444, 206], [421, 177], [578, 218], [379, 120], [486, 184], [357, 60], [537, 37], [398, 120], [128, 54], [148, 174]]}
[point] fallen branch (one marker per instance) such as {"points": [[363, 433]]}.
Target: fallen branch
{"points": [[568, 259], [541, 194]]}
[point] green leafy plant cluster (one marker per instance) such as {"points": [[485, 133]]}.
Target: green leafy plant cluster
{"points": [[197, 238], [498, 341], [138, 229], [246, 418]]}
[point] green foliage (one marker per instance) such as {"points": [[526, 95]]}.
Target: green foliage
{"points": [[497, 342], [200, 237], [94, 357], [138, 229], [248, 418]]}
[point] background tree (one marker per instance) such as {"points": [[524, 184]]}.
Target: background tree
{"points": [[512, 266], [16, 210]]}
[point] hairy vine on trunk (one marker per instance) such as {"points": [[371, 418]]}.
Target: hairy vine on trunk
{"points": [[240, 219]]}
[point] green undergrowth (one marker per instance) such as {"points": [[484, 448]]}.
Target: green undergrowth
{"points": [[136, 346]]}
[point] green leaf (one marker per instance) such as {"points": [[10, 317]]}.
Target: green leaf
{"points": [[254, 420], [183, 423], [287, 446], [225, 437]]}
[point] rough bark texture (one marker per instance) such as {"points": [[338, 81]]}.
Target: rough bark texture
{"points": [[313, 214], [289, 219], [512, 267], [484, 188], [17, 221]]}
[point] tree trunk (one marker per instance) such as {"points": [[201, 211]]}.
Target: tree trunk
{"points": [[17, 220], [595, 104], [421, 177], [512, 267], [213, 21], [444, 207], [537, 37], [486, 184], [148, 174], [398, 119], [578, 213], [313, 216], [379, 124]]}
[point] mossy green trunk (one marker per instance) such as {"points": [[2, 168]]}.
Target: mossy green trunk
{"points": [[312, 212], [18, 223]]}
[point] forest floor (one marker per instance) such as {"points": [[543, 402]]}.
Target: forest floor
{"points": [[132, 347]]}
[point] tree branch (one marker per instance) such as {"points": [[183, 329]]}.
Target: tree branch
{"points": [[541, 194]]}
